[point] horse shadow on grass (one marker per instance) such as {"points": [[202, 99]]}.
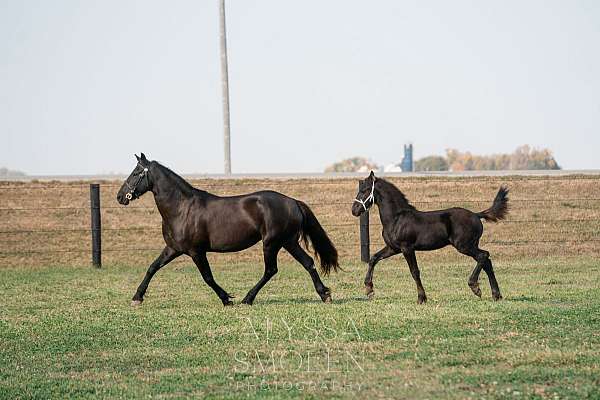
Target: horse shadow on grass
{"points": [[522, 299], [276, 301]]}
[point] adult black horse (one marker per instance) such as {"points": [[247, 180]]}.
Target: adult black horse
{"points": [[195, 222], [406, 230]]}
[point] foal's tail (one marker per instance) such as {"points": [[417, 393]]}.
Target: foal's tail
{"points": [[499, 208], [325, 251]]}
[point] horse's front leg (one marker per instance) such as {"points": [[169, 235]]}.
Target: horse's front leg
{"points": [[380, 255], [204, 267], [167, 255]]}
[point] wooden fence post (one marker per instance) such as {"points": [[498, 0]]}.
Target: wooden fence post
{"points": [[96, 225]]}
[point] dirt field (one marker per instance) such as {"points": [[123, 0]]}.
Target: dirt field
{"points": [[549, 215]]}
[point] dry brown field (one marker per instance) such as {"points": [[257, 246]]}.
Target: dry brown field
{"points": [[48, 223]]}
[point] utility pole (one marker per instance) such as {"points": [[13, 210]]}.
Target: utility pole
{"points": [[225, 88]]}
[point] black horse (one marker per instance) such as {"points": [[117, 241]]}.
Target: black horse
{"points": [[195, 222], [406, 230]]}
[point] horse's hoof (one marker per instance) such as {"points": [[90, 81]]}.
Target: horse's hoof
{"points": [[247, 301], [369, 291], [136, 303], [497, 297], [327, 300], [422, 300], [228, 303], [475, 289]]}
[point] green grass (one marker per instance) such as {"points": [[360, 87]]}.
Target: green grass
{"points": [[69, 332]]}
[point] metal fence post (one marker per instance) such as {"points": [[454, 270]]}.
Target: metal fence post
{"points": [[96, 225], [365, 252]]}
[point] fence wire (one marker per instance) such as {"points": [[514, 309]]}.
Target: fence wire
{"points": [[353, 226]]}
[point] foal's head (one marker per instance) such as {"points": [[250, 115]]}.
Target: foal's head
{"points": [[365, 198], [137, 183]]}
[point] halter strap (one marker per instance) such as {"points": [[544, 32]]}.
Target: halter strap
{"points": [[371, 197], [131, 194]]}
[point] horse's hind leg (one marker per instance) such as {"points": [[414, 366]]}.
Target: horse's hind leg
{"points": [[411, 259], [489, 270], [483, 262], [166, 256], [309, 265], [204, 267], [270, 256]]}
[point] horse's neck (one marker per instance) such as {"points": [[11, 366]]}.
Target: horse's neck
{"points": [[388, 208], [167, 195]]}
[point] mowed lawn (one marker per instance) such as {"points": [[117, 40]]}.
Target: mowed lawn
{"points": [[69, 332]]}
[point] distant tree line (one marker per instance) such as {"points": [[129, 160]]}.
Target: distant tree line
{"points": [[354, 164], [9, 173], [523, 158]]}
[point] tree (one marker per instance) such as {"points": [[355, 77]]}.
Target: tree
{"points": [[523, 158], [8, 173], [431, 163], [354, 164]]}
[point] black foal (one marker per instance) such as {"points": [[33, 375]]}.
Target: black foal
{"points": [[406, 230]]}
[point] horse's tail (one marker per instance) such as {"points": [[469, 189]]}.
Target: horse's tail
{"points": [[325, 251], [499, 208]]}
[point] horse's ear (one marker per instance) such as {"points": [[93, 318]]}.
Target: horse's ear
{"points": [[136, 157], [143, 157], [372, 175]]}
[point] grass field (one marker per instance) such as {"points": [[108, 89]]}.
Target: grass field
{"points": [[70, 333]]}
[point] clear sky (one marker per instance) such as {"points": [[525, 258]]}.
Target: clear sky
{"points": [[85, 84]]}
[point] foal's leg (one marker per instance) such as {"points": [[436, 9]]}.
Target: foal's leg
{"points": [[489, 270], [270, 256], [482, 257], [166, 256], [204, 267], [309, 265], [380, 255], [411, 259]]}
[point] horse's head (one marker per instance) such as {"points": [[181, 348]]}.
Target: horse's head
{"points": [[137, 183], [365, 198]]}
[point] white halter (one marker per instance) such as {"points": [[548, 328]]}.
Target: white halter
{"points": [[371, 197]]}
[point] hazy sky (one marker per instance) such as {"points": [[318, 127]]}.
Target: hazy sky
{"points": [[85, 84]]}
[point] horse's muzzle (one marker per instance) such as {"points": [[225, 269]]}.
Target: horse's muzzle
{"points": [[123, 199]]}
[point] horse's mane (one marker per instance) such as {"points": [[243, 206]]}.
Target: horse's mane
{"points": [[178, 181], [392, 193]]}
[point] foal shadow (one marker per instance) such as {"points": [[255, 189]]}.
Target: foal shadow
{"points": [[310, 301], [522, 299]]}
